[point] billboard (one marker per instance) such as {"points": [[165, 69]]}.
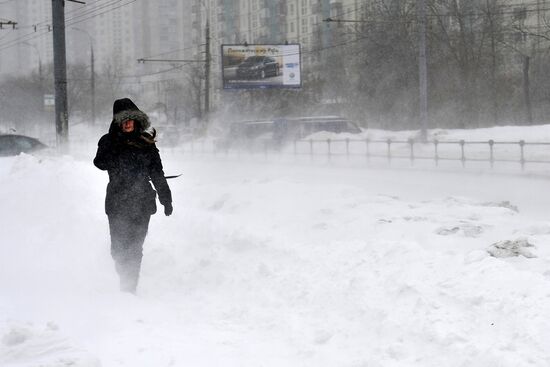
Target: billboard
{"points": [[261, 66]]}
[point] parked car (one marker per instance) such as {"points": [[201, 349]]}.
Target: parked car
{"points": [[11, 145], [257, 67]]}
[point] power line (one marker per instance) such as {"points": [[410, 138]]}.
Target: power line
{"points": [[93, 11], [154, 73], [98, 14], [80, 11], [34, 35], [167, 60], [89, 8], [483, 14]]}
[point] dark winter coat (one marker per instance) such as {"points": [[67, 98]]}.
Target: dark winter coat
{"points": [[131, 159]]}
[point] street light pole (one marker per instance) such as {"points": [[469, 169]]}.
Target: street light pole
{"points": [[92, 71], [40, 76]]}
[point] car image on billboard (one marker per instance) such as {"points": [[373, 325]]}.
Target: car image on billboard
{"points": [[261, 66], [258, 67]]}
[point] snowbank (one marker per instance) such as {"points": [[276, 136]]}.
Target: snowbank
{"points": [[270, 265]]}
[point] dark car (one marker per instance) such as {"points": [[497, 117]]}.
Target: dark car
{"points": [[257, 67], [17, 144]]}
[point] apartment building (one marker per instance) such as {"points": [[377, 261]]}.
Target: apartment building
{"points": [[119, 34]]}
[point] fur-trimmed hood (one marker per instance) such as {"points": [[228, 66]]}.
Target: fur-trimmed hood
{"points": [[123, 110], [142, 120]]}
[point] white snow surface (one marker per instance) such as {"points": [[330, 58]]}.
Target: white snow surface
{"points": [[272, 264]]}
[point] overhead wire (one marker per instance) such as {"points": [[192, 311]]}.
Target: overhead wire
{"points": [[78, 8], [33, 35], [36, 33], [87, 12], [69, 23]]}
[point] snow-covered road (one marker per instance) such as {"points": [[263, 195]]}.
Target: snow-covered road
{"points": [[272, 264]]}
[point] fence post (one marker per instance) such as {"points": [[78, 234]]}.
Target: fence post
{"points": [[311, 149], [492, 156], [522, 157], [411, 143], [436, 157], [368, 149], [329, 152], [347, 149], [462, 157], [389, 149]]}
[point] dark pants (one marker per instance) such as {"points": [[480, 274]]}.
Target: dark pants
{"points": [[127, 237]]}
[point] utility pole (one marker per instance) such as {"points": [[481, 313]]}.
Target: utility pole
{"points": [[92, 70], [207, 75], [422, 71], [60, 73]]}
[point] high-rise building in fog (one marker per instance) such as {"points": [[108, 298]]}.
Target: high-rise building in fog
{"points": [[164, 31], [119, 33]]}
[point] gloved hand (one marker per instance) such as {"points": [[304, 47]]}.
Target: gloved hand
{"points": [[168, 209]]}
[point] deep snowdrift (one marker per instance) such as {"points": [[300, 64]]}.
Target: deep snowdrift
{"points": [[270, 265]]}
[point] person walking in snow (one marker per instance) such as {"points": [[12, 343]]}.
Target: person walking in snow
{"points": [[129, 154]]}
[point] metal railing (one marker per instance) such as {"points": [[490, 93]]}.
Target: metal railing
{"points": [[463, 151]]}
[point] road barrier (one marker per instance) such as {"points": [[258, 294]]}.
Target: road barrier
{"points": [[463, 151]]}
